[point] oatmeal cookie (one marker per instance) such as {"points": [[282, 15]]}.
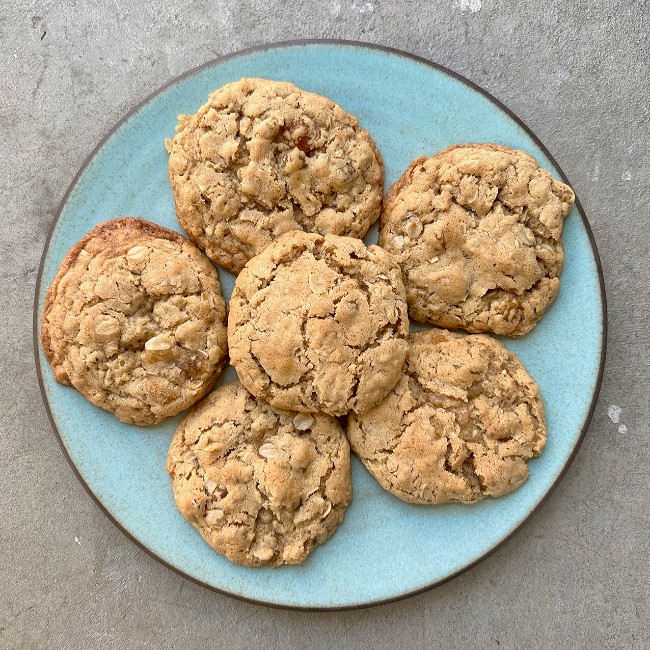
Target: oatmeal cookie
{"points": [[264, 157], [319, 323], [261, 485], [476, 230], [135, 321], [459, 425]]}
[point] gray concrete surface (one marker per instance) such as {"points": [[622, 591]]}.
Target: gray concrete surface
{"points": [[577, 575]]}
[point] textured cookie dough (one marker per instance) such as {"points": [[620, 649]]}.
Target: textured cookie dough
{"points": [[319, 323], [476, 230], [261, 485], [459, 425], [135, 321], [264, 157]]}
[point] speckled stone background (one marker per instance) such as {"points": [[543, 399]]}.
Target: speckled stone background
{"points": [[577, 576]]}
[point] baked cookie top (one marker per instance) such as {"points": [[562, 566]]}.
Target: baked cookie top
{"points": [[476, 230], [319, 323], [261, 485], [458, 426], [135, 321], [265, 157]]}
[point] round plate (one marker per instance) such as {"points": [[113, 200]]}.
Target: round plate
{"points": [[385, 549]]}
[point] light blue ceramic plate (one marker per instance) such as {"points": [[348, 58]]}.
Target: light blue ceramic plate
{"points": [[385, 549]]}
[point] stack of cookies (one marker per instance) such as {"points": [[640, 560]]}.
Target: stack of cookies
{"points": [[279, 186]]}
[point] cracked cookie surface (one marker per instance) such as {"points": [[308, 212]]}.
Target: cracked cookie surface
{"points": [[261, 158], [135, 321], [476, 230], [319, 323], [459, 425], [261, 485]]}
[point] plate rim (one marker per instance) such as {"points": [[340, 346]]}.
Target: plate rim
{"points": [[359, 45]]}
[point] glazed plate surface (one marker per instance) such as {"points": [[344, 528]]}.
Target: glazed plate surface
{"points": [[385, 549]]}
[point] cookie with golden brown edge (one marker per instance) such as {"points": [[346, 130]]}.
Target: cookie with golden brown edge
{"points": [[135, 321], [261, 485], [459, 425], [476, 230], [263, 157], [319, 323]]}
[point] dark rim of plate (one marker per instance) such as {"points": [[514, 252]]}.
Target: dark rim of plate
{"points": [[395, 52]]}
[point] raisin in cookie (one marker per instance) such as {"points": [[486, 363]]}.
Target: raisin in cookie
{"points": [[264, 157], [135, 321], [261, 485], [319, 323], [476, 229], [459, 425]]}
